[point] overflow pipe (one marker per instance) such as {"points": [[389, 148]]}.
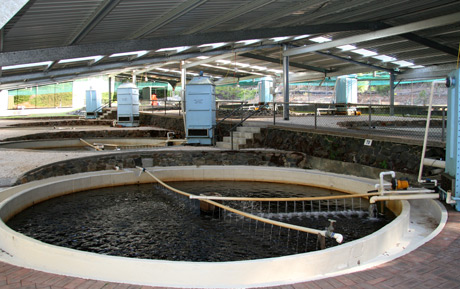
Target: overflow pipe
{"points": [[434, 163], [403, 197]]}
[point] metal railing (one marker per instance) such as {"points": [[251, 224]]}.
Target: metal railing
{"points": [[401, 121]]}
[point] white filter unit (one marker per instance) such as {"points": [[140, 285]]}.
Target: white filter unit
{"points": [[200, 108], [93, 104], [128, 105], [346, 91], [265, 87]]}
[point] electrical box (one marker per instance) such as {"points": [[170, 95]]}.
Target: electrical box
{"points": [[128, 105], [93, 104], [200, 110]]}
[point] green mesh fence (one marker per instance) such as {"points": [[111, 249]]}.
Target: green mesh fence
{"points": [[53, 95]]}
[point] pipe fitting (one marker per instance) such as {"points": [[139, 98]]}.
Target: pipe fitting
{"points": [[449, 199]]}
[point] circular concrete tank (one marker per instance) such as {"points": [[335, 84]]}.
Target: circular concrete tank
{"points": [[376, 248]]}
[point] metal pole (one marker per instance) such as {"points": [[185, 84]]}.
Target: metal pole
{"points": [[231, 139], [286, 84], [183, 79], [443, 124], [110, 91], [316, 115], [370, 116], [274, 113], [392, 94]]}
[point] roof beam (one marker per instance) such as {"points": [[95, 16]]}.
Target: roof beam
{"points": [[204, 61], [398, 30], [374, 67], [293, 64], [432, 72], [209, 23], [167, 18], [427, 42], [106, 48], [125, 65], [94, 20]]}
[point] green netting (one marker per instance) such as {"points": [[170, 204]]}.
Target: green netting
{"points": [[53, 95]]}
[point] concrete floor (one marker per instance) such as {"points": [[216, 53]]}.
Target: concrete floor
{"points": [[433, 265]]}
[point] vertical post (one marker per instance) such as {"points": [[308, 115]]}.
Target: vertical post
{"points": [[274, 113], [183, 79], [231, 139], [443, 124], [110, 91], [392, 93], [134, 78], [370, 116], [316, 115], [286, 85]]}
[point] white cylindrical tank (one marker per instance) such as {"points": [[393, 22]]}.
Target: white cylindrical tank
{"points": [[128, 105]]}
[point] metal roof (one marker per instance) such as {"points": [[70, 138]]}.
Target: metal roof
{"points": [[86, 34]]}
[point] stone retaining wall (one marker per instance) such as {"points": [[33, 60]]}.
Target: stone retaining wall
{"points": [[164, 158], [72, 134], [384, 154], [381, 154]]}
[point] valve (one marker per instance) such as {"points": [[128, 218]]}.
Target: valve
{"points": [[330, 232]]}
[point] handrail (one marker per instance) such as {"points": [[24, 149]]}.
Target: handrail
{"points": [[231, 113], [244, 119], [101, 107]]}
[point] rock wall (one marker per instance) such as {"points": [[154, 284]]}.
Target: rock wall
{"points": [[383, 154], [165, 158]]}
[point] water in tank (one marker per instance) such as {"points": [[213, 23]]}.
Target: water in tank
{"points": [[128, 105], [200, 108], [93, 104]]}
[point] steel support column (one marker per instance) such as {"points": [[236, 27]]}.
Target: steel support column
{"points": [[183, 80], [392, 93], [286, 85], [110, 91]]}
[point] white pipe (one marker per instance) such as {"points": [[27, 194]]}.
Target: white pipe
{"points": [[425, 139], [434, 163], [449, 199], [403, 197], [380, 186], [410, 191]]}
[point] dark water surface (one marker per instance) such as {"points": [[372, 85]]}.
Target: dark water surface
{"points": [[148, 221]]}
